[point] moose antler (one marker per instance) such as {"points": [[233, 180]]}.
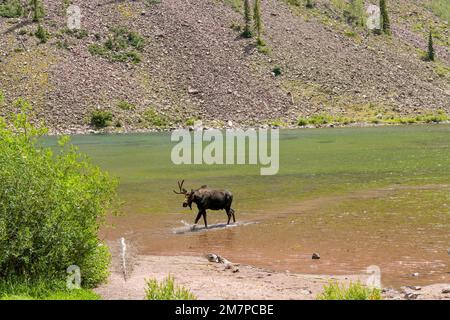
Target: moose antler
{"points": [[182, 190]]}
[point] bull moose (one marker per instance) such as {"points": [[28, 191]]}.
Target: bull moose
{"points": [[205, 199]]}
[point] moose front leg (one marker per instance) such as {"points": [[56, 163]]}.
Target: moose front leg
{"points": [[204, 218], [199, 215]]}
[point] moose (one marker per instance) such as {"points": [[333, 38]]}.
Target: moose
{"points": [[205, 199]]}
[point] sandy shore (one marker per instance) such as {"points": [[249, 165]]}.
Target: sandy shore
{"points": [[211, 280]]}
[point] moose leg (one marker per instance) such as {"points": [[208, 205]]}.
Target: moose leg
{"points": [[228, 210], [232, 212], [199, 215], [204, 218]]}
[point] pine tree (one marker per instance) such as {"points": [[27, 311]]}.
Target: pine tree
{"points": [[258, 21], [430, 54], [38, 10], [248, 20], [385, 23]]}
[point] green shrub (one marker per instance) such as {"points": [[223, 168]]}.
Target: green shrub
{"points": [[191, 121], [94, 268], [277, 71], [52, 204], [41, 34], [167, 290], [320, 119], [100, 118], [120, 46], [11, 9], [2, 97], [355, 291], [155, 119], [302, 122], [125, 105]]}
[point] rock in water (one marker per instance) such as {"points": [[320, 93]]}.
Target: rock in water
{"points": [[315, 256]]}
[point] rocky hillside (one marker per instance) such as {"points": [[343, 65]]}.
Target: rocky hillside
{"points": [[163, 63]]}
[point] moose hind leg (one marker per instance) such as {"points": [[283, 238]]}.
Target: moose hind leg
{"points": [[232, 212]]}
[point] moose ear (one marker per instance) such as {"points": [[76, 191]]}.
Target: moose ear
{"points": [[204, 186]]}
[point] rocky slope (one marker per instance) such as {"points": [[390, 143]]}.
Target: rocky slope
{"points": [[194, 64]]}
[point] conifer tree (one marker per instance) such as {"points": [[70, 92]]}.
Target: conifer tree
{"points": [[430, 54], [385, 23], [38, 10], [258, 21], [248, 20]]}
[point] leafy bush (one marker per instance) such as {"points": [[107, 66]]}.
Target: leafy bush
{"points": [[302, 122], [125, 105], [11, 9], [41, 34], [355, 291], [101, 119], [120, 46], [167, 290], [277, 71], [155, 119], [52, 204]]}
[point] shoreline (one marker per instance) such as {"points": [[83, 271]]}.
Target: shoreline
{"points": [[211, 280], [88, 130]]}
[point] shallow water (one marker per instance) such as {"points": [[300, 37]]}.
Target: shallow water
{"points": [[358, 196]]}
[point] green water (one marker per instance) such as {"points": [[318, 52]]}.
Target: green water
{"points": [[312, 163], [359, 196]]}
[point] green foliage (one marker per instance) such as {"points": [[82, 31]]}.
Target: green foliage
{"points": [[167, 290], [355, 14], [441, 8], [37, 8], [191, 121], [155, 119], [39, 289], [430, 53], [385, 22], [94, 268], [309, 4], [76, 33], [276, 71], [2, 97], [11, 9], [41, 34], [257, 19], [125, 105], [121, 46], [247, 33], [52, 204], [235, 4], [355, 291], [100, 118]]}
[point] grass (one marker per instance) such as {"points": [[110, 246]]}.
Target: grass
{"points": [[23, 289], [167, 290], [325, 119], [355, 291], [441, 8]]}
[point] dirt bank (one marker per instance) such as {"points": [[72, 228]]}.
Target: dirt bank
{"points": [[210, 280]]}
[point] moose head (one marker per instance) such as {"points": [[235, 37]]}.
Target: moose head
{"points": [[188, 196]]}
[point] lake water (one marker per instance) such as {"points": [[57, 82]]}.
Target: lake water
{"points": [[358, 196]]}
